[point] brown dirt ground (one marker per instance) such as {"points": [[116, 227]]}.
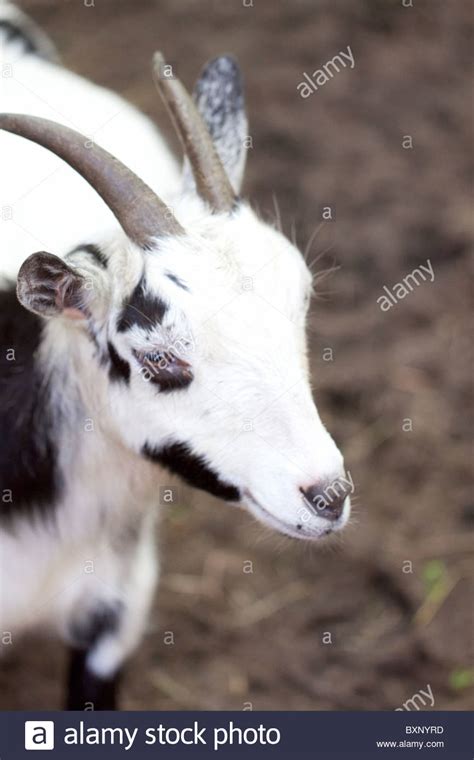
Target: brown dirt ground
{"points": [[257, 638]]}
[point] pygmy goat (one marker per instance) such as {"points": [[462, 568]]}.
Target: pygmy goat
{"points": [[169, 336]]}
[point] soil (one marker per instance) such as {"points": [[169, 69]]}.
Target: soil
{"points": [[368, 621]]}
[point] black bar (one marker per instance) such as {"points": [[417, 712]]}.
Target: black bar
{"points": [[283, 735]]}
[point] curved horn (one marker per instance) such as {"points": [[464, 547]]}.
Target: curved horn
{"points": [[212, 182], [140, 212]]}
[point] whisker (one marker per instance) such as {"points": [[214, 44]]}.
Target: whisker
{"points": [[312, 238], [320, 255], [293, 234], [277, 212]]}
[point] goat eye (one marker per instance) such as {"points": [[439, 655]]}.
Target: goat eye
{"points": [[154, 357]]}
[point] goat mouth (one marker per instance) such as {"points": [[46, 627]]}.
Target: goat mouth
{"points": [[269, 519]]}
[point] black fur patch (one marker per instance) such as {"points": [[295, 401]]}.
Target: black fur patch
{"points": [[14, 33], [88, 629], [95, 252], [84, 687], [176, 281], [178, 458], [28, 456], [144, 310], [119, 368]]}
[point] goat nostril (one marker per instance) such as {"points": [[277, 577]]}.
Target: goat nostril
{"points": [[326, 502]]}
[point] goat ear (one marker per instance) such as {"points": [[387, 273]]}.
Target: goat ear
{"points": [[219, 97], [47, 286]]}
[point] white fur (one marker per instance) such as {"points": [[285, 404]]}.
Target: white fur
{"points": [[37, 186]]}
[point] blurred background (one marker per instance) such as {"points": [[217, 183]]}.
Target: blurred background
{"points": [[369, 621]]}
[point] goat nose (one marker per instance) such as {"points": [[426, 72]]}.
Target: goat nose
{"points": [[327, 502]]}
